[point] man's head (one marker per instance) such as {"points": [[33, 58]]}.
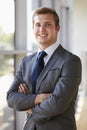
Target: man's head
{"points": [[46, 10], [45, 26]]}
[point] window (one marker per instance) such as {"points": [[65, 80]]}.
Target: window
{"points": [[6, 61]]}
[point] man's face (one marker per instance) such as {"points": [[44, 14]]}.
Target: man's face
{"points": [[45, 30]]}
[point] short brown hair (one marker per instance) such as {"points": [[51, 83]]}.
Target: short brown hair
{"points": [[46, 10]]}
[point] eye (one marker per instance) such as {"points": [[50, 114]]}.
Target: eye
{"points": [[37, 25], [48, 24]]}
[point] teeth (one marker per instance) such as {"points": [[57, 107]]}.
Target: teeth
{"points": [[43, 35]]}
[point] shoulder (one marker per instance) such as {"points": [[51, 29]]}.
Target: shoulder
{"points": [[29, 57], [66, 54], [27, 60]]}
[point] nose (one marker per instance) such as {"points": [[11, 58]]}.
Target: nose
{"points": [[42, 28]]}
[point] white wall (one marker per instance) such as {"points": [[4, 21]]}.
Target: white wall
{"points": [[80, 25]]}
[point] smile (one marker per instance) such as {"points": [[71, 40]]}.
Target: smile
{"points": [[43, 35]]}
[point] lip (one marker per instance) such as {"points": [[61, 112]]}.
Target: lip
{"points": [[43, 35]]}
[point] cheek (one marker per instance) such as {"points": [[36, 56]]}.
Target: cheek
{"points": [[35, 32]]}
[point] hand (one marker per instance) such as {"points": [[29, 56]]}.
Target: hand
{"points": [[29, 111], [23, 89], [41, 97]]}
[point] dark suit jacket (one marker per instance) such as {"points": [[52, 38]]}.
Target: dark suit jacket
{"points": [[61, 77]]}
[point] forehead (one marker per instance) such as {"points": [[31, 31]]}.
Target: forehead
{"points": [[43, 18]]}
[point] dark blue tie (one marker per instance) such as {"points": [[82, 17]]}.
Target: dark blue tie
{"points": [[37, 69]]}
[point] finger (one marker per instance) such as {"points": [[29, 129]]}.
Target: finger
{"points": [[29, 111], [26, 89], [45, 96], [48, 95], [22, 88]]}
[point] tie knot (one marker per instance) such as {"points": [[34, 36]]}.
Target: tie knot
{"points": [[42, 54]]}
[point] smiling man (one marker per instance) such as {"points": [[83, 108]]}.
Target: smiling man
{"points": [[45, 29], [46, 83]]}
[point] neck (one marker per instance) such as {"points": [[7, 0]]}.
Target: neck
{"points": [[45, 46]]}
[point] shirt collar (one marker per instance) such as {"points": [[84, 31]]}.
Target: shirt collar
{"points": [[50, 49]]}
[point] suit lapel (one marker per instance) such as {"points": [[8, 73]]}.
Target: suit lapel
{"points": [[55, 57]]}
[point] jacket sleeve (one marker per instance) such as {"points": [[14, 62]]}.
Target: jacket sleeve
{"points": [[15, 99], [64, 94]]}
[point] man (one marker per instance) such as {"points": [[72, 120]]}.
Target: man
{"points": [[50, 102]]}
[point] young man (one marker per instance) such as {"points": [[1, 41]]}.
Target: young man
{"points": [[48, 99]]}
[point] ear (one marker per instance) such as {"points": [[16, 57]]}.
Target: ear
{"points": [[58, 28]]}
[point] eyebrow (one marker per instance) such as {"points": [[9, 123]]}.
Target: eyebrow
{"points": [[44, 22]]}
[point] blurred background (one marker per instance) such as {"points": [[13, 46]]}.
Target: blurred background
{"points": [[16, 41]]}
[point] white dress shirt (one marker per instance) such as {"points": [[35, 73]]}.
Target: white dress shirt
{"points": [[50, 50]]}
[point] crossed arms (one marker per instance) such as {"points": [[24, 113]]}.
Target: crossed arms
{"points": [[47, 105], [39, 98]]}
